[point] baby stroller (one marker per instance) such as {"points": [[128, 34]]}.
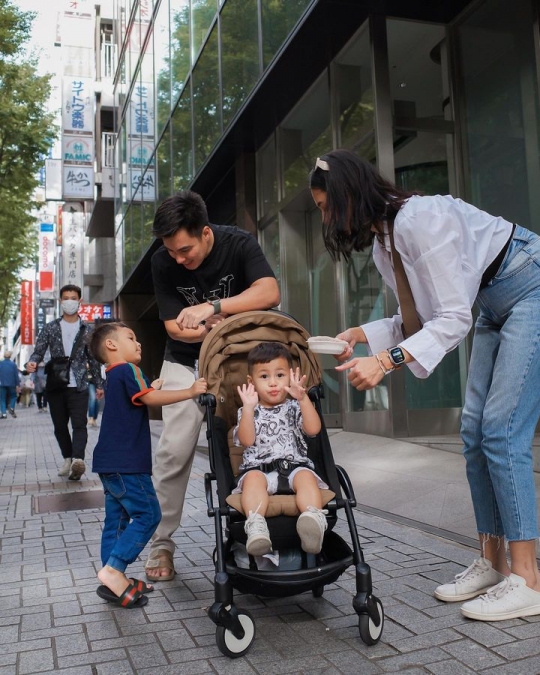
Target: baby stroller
{"points": [[223, 363]]}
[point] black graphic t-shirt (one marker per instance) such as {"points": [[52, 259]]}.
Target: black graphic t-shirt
{"points": [[234, 263]]}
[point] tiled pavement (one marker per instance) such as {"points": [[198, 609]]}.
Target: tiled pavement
{"points": [[51, 620]]}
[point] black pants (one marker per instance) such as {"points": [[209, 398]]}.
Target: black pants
{"points": [[65, 405], [41, 399]]}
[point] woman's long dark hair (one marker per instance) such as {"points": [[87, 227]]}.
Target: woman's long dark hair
{"points": [[357, 198]]}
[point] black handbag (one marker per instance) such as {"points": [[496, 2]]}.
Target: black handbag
{"points": [[57, 369], [57, 373]]}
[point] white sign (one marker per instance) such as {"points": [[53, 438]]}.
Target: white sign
{"points": [[72, 248], [78, 182], [77, 104], [53, 180], [142, 110], [142, 189], [77, 150]]}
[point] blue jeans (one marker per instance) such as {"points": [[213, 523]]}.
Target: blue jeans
{"points": [[132, 514], [502, 400], [8, 397], [93, 403]]}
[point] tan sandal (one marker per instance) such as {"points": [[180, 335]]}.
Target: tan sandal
{"points": [[162, 559]]}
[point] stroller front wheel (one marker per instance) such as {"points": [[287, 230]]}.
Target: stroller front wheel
{"points": [[369, 631], [231, 646]]}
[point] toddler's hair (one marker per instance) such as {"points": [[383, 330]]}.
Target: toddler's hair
{"points": [[266, 352], [96, 342]]}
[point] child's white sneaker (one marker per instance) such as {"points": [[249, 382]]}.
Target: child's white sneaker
{"points": [[311, 526], [258, 536]]}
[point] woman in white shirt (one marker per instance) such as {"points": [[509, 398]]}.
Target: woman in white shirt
{"points": [[453, 254]]}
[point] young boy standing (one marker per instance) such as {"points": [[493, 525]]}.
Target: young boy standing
{"points": [[271, 427], [123, 460]]}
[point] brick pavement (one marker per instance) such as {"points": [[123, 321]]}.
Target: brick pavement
{"points": [[51, 620]]}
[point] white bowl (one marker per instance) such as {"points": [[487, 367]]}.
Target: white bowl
{"points": [[323, 344]]}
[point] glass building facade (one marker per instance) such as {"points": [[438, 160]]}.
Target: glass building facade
{"points": [[237, 98]]}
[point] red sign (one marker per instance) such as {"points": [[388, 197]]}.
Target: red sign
{"points": [[90, 313], [27, 313]]}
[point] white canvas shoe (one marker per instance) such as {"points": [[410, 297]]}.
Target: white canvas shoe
{"points": [[258, 535], [511, 599], [66, 467], [78, 467], [475, 580], [311, 526]]}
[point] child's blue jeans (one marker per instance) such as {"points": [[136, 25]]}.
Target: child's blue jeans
{"points": [[132, 514]]}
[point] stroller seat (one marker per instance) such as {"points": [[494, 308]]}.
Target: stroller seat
{"points": [[278, 504], [223, 363]]}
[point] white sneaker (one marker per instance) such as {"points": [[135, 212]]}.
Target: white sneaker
{"points": [[258, 541], [66, 467], [511, 599], [311, 526], [475, 580], [78, 467]]}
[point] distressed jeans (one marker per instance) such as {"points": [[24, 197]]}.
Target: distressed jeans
{"points": [[502, 400]]}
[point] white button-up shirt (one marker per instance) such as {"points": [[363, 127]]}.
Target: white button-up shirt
{"points": [[446, 245]]}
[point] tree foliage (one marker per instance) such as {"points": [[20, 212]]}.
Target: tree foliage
{"points": [[26, 133]]}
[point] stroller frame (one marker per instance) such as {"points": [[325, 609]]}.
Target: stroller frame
{"points": [[235, 628]]}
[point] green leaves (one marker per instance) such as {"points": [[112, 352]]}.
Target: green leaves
{"points": [[26, 133]]}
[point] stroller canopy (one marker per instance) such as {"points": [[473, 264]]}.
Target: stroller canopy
{"points": [[223, 356]]}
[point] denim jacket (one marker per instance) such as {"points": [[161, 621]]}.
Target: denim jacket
{"points": [[51, 337]]}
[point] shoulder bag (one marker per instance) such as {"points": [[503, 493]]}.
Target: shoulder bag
{"points": [[58, 368]]}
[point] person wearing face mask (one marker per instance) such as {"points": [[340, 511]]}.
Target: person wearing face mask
{"points": [[69, 403]]}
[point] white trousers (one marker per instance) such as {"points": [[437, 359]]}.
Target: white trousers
{"points": [[174, 457]]}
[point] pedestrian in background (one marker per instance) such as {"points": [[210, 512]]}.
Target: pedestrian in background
{"points": [[9, 384], [40, 382], [66, 337], [440, 255]]}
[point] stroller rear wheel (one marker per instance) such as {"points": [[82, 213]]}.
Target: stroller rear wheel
{"points": [[231, 646], [369, 631]]}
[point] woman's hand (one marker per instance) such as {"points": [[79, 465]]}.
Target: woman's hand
{"points": [[353, 336], [364, 373], [248, 395]]}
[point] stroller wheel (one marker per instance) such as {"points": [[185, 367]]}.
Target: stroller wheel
{"points": [[369, 632], [318, 591], [231, 646]]}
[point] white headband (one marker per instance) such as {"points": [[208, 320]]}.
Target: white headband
{"points": [[322, 164]]}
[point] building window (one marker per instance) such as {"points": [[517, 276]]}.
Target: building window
{"points": [[239, 53], [278, 19], [206, 100]]}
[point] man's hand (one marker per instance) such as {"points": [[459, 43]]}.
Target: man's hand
{"points": [[31, 366], [192, 317], [296, 385], [99, 393]]}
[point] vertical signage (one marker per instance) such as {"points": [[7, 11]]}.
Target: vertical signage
{"points": [[46, 257], [72, 248], [78, 137], [27, 313]]}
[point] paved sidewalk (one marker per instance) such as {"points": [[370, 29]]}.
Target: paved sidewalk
{"points": [[51, 620]]}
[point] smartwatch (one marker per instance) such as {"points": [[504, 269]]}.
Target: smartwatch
{"points": [[396, 356], [216, 304]]}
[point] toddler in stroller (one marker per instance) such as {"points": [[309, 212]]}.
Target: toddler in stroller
{"points": [[223, 363], [270, 427]]}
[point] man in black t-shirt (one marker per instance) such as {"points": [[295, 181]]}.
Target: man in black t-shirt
{"points": [[202, 274]]}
